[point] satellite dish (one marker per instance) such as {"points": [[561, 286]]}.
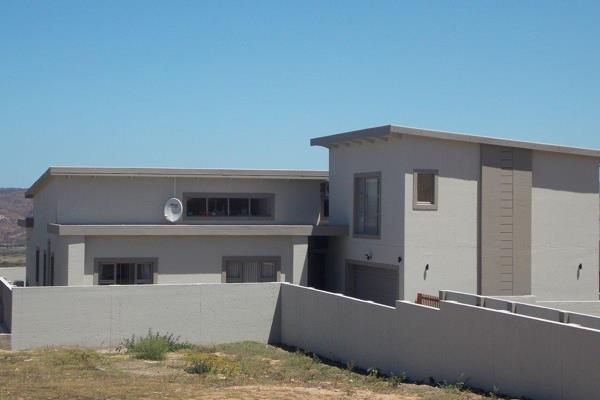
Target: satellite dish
{"points": [[173, 210]]}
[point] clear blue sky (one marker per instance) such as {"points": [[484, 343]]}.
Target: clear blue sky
{"points": [[247, 84]]}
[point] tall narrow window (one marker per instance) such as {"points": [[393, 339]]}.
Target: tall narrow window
{"points": [[425, 196], [45, 272], [52, 269], [37, 266], [367, 213]]}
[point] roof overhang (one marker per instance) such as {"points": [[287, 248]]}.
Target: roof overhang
{"points": [[197, 230], [387, 132], [175, 173]]}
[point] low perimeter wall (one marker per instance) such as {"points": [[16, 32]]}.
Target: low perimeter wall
{"points": [[487, 348], [13, 274], [102, 316]]}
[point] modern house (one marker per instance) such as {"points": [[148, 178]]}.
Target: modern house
{"points": [[106, 226], [401, 211], [429, 210]]}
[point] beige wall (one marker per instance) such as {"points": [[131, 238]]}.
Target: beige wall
{"points": [[564, 227], [125, 200], [188, 259], [445, 239]]}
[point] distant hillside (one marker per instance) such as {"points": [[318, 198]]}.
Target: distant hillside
{"points": [[13, 205]]}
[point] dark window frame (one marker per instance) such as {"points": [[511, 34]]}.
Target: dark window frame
{"points": [[355, 211], [270, 197]]}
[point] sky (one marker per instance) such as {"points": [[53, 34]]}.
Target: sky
{"points": [[246, 84]]}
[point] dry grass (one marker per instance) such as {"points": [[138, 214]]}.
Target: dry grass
{"points": [[12, 257], [237, 371]]}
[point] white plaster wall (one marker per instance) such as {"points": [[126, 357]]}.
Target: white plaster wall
{"points": [[188, 259], [564, 227], [445, 239], [140, 200]]}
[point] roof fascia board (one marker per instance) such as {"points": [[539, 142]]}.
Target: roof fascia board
{"points": [[387, 131], [174, 173]]}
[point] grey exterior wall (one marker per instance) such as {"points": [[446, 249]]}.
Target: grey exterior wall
{"points": [[189, 259], [102, 316], [517, 355], [445, 239], [123, 200], [564, 227]]}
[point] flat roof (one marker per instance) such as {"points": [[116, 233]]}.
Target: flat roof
{"points": [[175, 173], [387, 131], [197, 230]]}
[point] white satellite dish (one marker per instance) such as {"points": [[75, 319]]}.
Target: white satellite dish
{"points": [[173, 210]]}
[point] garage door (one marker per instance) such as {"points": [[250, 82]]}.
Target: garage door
{"points": [[373, 283]]}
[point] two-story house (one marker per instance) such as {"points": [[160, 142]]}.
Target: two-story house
{"points": [[409, 210], [431, 210], [101, 226]]}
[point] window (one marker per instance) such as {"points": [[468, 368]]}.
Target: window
{"points": [[367, 191], [251, 269], [52, 269], [324, 200], [425, 196], [229, 206], [125, 273], [37, 266]]}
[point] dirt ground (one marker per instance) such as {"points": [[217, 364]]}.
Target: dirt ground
{"points": [[238, 371]]}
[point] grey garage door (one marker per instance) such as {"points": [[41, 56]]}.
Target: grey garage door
{"points": [[373, 283]]}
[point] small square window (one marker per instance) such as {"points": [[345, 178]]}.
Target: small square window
{"points": [[425, 196]]}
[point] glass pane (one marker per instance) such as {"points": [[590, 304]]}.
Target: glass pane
{"points": [[144, 273], [233, 271], [196, 207], [372, 206], [217, 207], [426, 188], [107, 274], [239, 207], [360, 203], [125, 273], [260, 207], [268, 272]]}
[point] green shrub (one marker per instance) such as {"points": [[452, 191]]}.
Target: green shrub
{"points": [[199, 367], [153, 346]]}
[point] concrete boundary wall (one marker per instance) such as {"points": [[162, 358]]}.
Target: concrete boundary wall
{"points": [[520, 356], [517, 355], [6, 304], [13, 273], [102, 316]]}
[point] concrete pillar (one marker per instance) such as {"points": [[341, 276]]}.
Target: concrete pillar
{"points": [[70, 260], [300, 260]]}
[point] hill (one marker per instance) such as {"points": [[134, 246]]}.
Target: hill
{"points": [[13, 205]]}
